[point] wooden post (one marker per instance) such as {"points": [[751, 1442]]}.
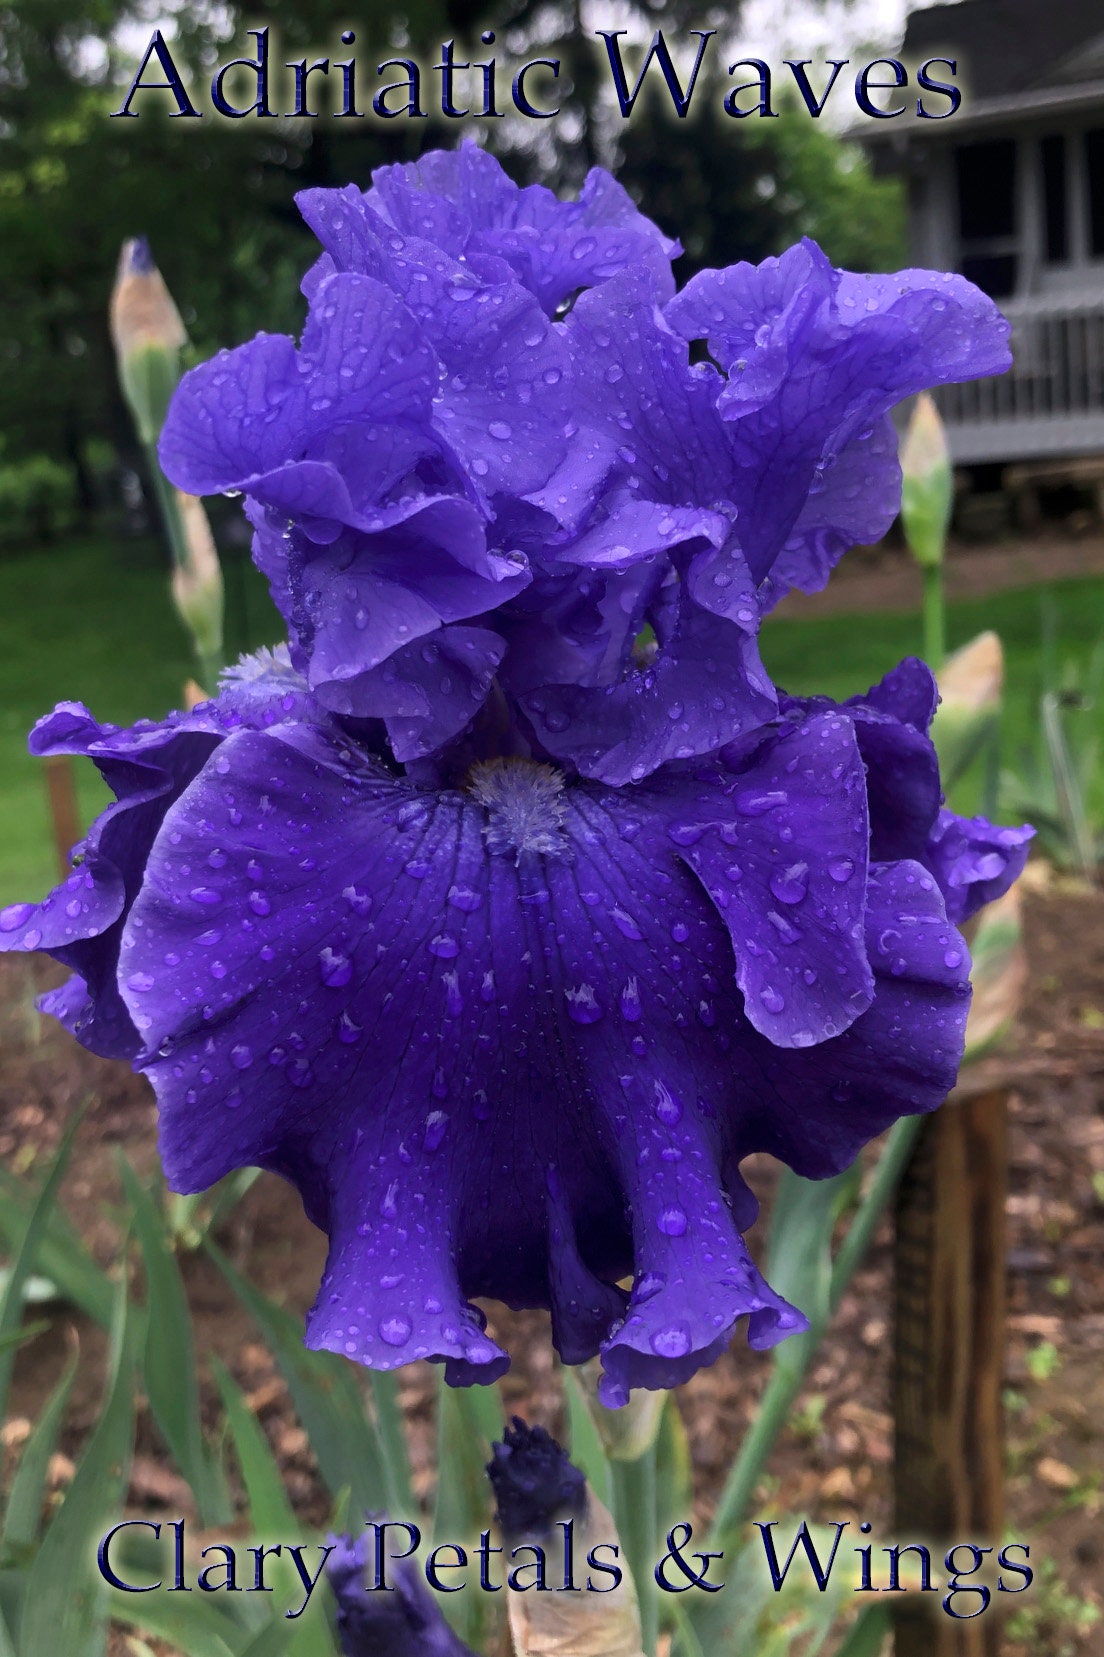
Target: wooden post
{"points": [[949, 1359], [61, 792]]}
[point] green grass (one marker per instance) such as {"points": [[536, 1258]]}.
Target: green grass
{"points": [[90, 622], [93, 622]]}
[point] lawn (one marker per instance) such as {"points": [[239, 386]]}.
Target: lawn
{"points": [[93, 622], [89, 622]]}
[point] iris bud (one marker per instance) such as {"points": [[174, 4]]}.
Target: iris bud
{"points": [[538, 1488], [927, 484], [148, 335], [405, 1622]]}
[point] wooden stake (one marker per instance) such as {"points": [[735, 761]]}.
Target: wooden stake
{"points": [[61, 793], [949, 1360]]}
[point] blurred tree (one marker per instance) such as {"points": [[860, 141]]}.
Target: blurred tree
{"points": [[214, 196]]}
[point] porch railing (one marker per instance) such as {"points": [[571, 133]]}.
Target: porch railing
{"points": [[1052, 400]]}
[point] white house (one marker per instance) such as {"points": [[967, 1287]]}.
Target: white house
{"points": [[1010, 191]]}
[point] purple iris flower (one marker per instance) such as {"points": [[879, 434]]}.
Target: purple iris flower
{"points": [[450, 489], [462, 202], [512, 1037], [512, 906]]}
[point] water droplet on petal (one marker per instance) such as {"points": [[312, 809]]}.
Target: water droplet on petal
{"points": [[667, 1108], [395, 1330], [582, 1005], [336, 968], [626, 925], [672, 1342], [436, 1124], [672, 1221], [755, 803], [359, 902], [791, 884]]}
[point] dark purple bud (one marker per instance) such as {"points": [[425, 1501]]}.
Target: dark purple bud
{"points": [[137, 258], [533, 1481], [402, 1621]]}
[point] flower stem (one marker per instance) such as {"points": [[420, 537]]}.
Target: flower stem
{"points": [[788, 1376], [170, 511], [634, 1506], [935, 617], [887, 1173]]}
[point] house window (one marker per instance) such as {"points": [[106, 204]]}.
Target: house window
{"points": [[1094, 175], [987, 229], [1052, 153]]}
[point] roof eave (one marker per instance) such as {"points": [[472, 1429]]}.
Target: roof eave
{"points": [[983, 112]]}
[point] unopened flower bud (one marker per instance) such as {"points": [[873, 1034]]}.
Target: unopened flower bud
{"points": [[534, 1482], [197, 579], [540, 1495], [404, 1622], [927, 484], [148, 335]]}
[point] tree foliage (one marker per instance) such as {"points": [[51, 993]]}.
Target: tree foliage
{"points": [[214, 196]]}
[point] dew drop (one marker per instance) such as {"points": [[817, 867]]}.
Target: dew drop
{"points": [[582, 1005], [359, 902], [669, 1111], [395, 1330], [686, 834], [672, 1342], [791, 884], [630, 1001], [626, 925], [672, 1221], [436, 1123], [336, 968], [755, 803], [648, 1286]]}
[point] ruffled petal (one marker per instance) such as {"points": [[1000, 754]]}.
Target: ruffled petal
{"points": [[702, 690], [780, 845], [814, 358], [815, 1109], [975, 861]]}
